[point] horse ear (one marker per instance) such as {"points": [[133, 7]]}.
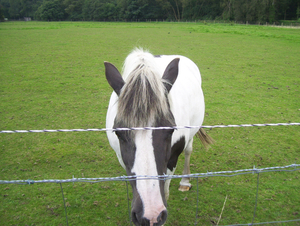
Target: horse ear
{"points": [[114, 77], [170, 74]]}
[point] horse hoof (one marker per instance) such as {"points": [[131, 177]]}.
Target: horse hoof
{"points": [[184, 188]]}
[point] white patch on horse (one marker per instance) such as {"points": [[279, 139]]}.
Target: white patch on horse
{"points": [[144, 164]]}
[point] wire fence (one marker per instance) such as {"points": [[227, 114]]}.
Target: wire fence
{"points": [[148, 128], [287, 168], [254, 170]]}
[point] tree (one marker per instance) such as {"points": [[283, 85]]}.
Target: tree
{"points": [[1, 14], [250, 10], [239, 10], [201, 9], [74, 9], [135, 10], [227, 6], [173, 8], [110, 11], [100, 10], [282, 8], [4, 6], [50, 10], [29, 7], [14, 9]]}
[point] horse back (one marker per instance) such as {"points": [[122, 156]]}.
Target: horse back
{"points": [[185, 97]]}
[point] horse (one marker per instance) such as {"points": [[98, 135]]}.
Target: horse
{"points": [[154, 91]]}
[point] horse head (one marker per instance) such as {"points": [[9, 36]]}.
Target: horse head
{"points": [[143, 102]]}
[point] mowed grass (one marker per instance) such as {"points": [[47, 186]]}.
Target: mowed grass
{"points": [[52, 77]]}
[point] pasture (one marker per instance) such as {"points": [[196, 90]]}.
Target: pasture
{"points": [[52, 77]]}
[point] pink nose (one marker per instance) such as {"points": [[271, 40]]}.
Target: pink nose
{"points": [[139, 219]]}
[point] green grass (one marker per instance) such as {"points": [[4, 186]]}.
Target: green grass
{"points": [[52, 77]]}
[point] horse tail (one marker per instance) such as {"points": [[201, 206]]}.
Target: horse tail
{"points": [[206, 140]]}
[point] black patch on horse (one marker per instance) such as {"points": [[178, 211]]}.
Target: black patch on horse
{"points": [[176, 150]]}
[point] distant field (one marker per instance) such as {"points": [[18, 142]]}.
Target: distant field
{"points": [[52, 77]]}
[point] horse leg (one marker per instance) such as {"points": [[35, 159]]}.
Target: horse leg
{"points": [[185, 184], [167, 183]]}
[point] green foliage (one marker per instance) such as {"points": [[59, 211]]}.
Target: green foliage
{"points": [[1, 13], [140, 10], [204, 10], [251, 11], [73, 9], [258, 11], [29, 7], [134, 10], [100, 10], [54, 78], [15, 8], [50, 11]]}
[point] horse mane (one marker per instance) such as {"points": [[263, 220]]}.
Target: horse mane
{"points": [[143, 98]]}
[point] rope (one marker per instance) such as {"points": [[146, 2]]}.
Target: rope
{"points": [[148, 128]]}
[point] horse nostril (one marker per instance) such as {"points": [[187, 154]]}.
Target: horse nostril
{"points": [[162, 217], [134, 218], [139, 220]]}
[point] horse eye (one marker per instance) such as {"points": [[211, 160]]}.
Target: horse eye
{"points": [[121, 135], [118, 133]]}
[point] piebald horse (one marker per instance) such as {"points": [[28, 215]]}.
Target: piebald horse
{"points": [[154, 91]]}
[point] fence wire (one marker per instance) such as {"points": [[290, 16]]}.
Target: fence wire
{"points": [[287, 168], [254, 170], [148, 128]]}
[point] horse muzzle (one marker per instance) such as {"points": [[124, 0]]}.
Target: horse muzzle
{"points": [[139, 219]]}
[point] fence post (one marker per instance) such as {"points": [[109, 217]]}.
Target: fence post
{"points": [[128, 204], [256, 199], [196, 217], [62, 192]]}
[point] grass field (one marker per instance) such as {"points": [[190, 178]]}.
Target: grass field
{"points": [[52, 77]]}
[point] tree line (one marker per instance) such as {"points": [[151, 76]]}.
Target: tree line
{"points": [[251, 11]]}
